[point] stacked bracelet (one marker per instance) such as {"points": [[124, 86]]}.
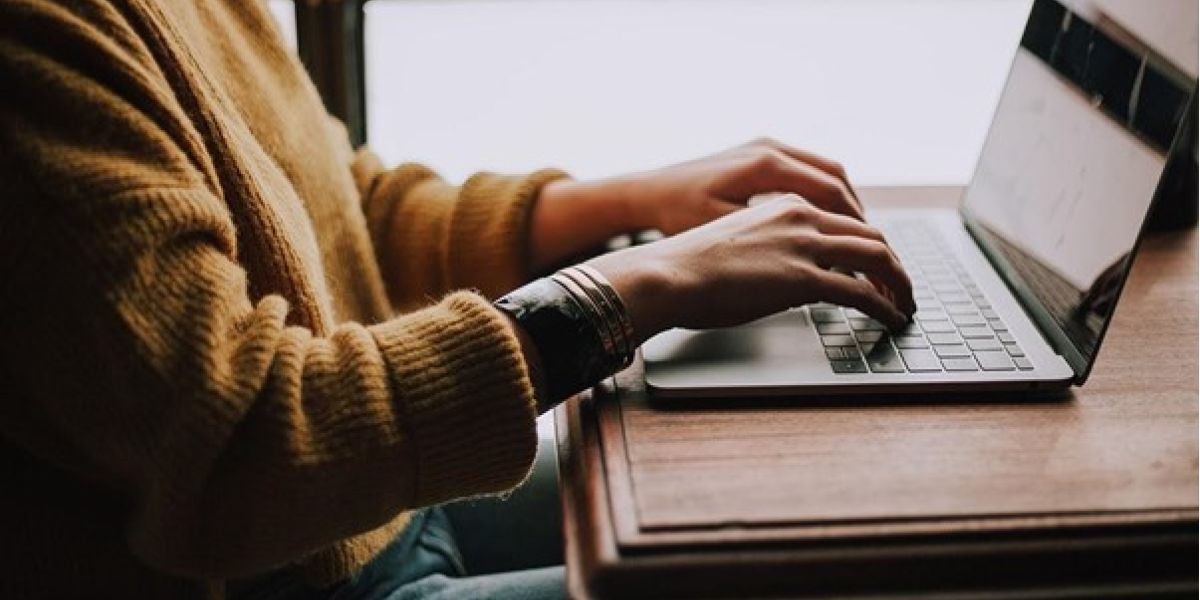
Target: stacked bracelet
{"points": [[605, 309], [579, 325]]}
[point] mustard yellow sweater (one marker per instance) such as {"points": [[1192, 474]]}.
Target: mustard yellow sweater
{"points": [[203, 374]]}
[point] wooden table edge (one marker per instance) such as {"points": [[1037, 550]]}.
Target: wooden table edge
{"points": [[600, 567]]}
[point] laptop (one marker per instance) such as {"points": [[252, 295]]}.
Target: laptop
{"points": [[1015, 288]]}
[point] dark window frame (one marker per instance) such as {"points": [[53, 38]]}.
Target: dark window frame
{"points": [[329, 36]]}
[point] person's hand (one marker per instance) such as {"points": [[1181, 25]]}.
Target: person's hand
{"points": [[683, 196], [779, 254], [572, 216]]}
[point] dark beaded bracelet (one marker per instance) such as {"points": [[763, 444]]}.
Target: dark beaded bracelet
{"points": [[571, 347]]}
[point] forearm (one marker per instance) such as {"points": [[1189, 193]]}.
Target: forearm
{"points": [[571, 217]]}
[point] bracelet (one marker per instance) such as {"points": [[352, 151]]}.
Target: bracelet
{"points": [[601, 313], [579, 325], [569, 344], [607, 306], [621, 314]]}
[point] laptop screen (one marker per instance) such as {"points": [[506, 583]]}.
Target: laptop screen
{"points": [[1068, 172]]}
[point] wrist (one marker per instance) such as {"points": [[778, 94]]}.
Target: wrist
{"points": [[571, 217], [631, 194], [645, 288], [626, 198]]}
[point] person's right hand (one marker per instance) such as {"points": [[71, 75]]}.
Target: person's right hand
{"points": [[755, 262]]}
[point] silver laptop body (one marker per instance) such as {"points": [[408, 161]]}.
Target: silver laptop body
{"points": [[1016, 288]]}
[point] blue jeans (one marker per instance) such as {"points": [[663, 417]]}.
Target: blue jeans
{"points": [[425, 563], [498, 551]]}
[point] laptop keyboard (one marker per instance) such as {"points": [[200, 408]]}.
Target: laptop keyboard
{"points": [[955, 328]]}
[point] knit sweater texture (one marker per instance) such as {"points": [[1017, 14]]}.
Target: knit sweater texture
{"points": [[223, 350]]}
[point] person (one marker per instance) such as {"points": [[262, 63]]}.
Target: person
{"points": [[236, 349]]}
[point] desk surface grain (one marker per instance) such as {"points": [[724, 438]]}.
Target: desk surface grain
{"points": [[707, 488]]}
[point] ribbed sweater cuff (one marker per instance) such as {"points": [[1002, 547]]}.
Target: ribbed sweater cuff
{"points": [[465, 394], [489, 236]]}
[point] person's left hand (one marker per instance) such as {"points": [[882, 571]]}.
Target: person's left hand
{"points": [[680, 197], [572, 216]]}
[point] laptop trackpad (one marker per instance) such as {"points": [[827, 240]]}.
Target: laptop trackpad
{"points": [[778, 337]]}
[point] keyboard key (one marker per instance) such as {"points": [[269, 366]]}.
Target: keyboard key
{"points": [[850, 352], [944, 338], [955, 298], [961, 309], [883, 359], [926, 303], [906, 342], [1014, 350], [868, 337], [931, 315], [937, 326], [1006, 337], [989, 314], [837, 340], [997, 324], [991, 344], [825, 315], [833, 328], [975, 332], [1023, 363], [854, 313], [834, 353], [951, 351], [996, 360], [848, 366], [920, 361], [969, 320], [866, 325], [959, 364]]}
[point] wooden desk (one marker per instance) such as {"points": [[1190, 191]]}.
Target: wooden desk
{"points": [[1094, 494]]}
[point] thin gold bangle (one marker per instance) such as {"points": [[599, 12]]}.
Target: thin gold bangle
{"points": [[595, 315], [607, 313], [610, 292]]}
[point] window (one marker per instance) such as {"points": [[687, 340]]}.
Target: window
{"points": [[902, 92]]}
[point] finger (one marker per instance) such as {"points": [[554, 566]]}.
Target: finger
{"points": [[844, 290], [827, 165], [871, 257], [765, 197], [874, 281], [823, 190], [719, 208], [835, 224]]}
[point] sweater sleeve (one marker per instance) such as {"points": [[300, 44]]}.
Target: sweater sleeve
{"points": [[432, 237], [136, 357]]}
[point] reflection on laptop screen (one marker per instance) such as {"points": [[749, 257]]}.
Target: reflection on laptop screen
{"points": [[1070, 167]]}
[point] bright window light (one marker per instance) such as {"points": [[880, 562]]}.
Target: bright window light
{"points": [[901, 92]]}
